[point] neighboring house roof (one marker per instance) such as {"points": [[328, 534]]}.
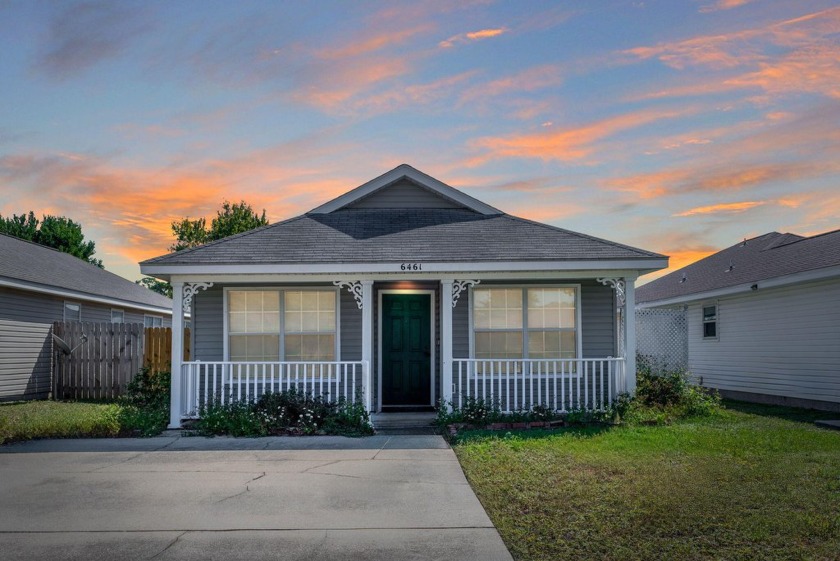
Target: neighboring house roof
{"points": [[367, 226], [773, 258], [28, 266]]}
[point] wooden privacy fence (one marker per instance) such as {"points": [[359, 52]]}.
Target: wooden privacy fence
{"points": [[105, 357]]}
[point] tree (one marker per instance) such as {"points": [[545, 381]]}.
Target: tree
{"points": [[155, 285], [57, 232], [234, 218]]}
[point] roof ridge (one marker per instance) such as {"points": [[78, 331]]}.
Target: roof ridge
{"points": [[807, 238], [36, 244], [582, 235]]}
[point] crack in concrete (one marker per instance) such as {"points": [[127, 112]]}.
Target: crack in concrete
{"points": [[173, 542], [247, 488], [116, 463], [307, 470], [382, 448]]}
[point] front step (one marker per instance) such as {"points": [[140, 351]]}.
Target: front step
{"points": [[396, 423]]}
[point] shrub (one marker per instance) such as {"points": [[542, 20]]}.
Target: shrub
{"points": [[145, 407], [288, 412], [663, 399]]}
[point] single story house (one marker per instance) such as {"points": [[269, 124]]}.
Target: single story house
{"points": [[402, 292], [763, 318], [39, 286]]}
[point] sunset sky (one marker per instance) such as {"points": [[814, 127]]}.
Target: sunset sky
{"points": [[678, 127]]}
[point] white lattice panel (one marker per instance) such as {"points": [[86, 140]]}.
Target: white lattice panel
{"points": [[662, 340]]}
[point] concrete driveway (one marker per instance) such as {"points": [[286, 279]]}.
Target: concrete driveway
{"points": [[381, 497]]}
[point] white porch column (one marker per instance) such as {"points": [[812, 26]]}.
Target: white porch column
{"points": [[367, 341], [177, 354], [630, 333], [446, 339]]}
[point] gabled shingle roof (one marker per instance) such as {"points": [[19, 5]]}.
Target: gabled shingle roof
{"points": [[393, 235], [35, 264], [342, 231], [751, 261]]}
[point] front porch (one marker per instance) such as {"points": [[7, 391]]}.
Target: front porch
{"points": [[577, 362]]}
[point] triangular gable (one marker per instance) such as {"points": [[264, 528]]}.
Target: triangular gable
{"points": [[405, 187]]}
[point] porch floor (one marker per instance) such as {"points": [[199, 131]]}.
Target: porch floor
{"points": [[403, 423]]}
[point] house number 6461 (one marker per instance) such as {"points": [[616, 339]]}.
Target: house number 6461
{"points": [[411, 267]]}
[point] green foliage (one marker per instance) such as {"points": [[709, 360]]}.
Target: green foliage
{"points": [[479, 413], [287, 412], [145, 407], [57, 232], [663, 399], [234, 218], [155, 285], [55, 419]]}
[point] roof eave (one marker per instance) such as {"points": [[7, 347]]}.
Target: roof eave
{"points": [[747, 287], [640, 266]]}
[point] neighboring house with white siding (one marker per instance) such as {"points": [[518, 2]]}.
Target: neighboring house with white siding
{"points": [[763, 318], [39, 286], [402, 292]]}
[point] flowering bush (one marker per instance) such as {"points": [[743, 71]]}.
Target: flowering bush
{"points": [[288, 412]]}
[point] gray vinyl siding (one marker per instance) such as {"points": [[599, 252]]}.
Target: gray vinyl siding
{"points": [[597, 319], [20, 305], [208, 324], [461, 327], [779, 342], [350, 318], [25, 365], [404, 194]]}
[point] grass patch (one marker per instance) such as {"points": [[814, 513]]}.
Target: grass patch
{"points": [[56, 419], [748, 482]]}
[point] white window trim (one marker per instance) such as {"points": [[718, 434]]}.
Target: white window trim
{"points": [[64, 310], [524, 328], [433, 341], [120, 310], [703, 321], [281, 289]]}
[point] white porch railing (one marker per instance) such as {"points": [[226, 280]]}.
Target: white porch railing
{"points": [[560, 384], [203, 382]]}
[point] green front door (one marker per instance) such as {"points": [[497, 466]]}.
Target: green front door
{"points": [[406, 349]]}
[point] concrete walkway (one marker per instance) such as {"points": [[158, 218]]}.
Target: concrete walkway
{"points": [[381, 497]]}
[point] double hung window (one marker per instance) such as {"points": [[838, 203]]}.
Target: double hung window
{"points": [[525, 323], [710, 322], [274, 325]]}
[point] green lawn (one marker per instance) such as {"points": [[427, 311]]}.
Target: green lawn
{"points": [[57, 419], [753, 482]]}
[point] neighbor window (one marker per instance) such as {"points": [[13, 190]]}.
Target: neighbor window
{"points": [[537, 323], [117, 316], [273, 325], [72, 311], [152, 321], [709, 322]]}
